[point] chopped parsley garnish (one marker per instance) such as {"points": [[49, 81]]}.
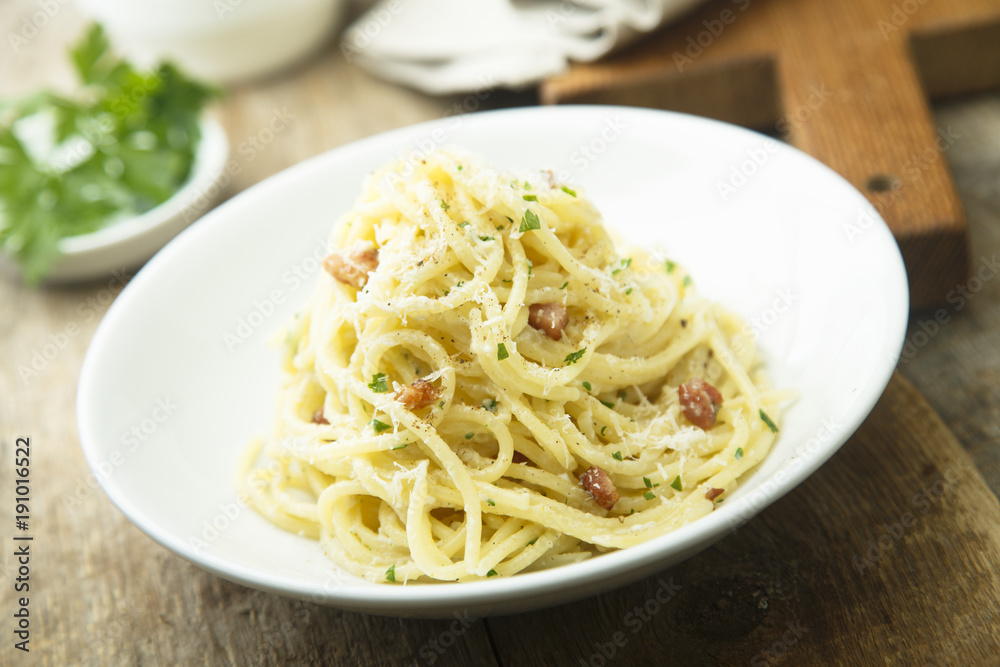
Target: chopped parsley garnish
{"points": [[622, 395], [490, 404], [390, 574], [628, 290], [499, 227], [405, 444], [468, 436], [379, 384], [607, 404], [460, 167], [677, 484], [501, 352], [485, 238], [527, 185], [489, 501], [648, 495], [627, 262], [464, 223], [739, 453], [492, 573], [617, 456], [379, 426], [569, 191], [563, 286], [670, 266], [603, 429], [767, 420], [532, 541], [529, 221], [574, 357], [444, 205], [530, 267], [530, 197], [648, 482], [586, 385], [459, 284], [686, 281], [441, 404]]}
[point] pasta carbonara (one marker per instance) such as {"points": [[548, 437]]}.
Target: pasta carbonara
{"points": [[484, 384]]}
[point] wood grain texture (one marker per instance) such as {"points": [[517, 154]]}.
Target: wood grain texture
{"points": [[851, 89], [105, 594]]}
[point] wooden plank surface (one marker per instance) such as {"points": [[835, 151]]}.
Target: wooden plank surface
{"points": [[104, 594], [847, 83]]}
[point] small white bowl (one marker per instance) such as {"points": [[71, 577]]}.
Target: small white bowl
{"points": [[178, 378], [224, 40], [127, 243]]}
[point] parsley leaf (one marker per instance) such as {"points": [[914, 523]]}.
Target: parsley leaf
{"points": [[379, 426], [529, 221], [767, 420], [491, 573], [607, 404], [402, 446], [677, 484], [501, 352], [468, 436], [627, 262], [530, 197], [648, 495], [489, 501], [390, 574], [563, 286], [617, 456], [586, 385], [648, 482], [739, 453], [444, 205], [379, 384], [464, 223], [670, 266], [574, 357], [569, 191]]}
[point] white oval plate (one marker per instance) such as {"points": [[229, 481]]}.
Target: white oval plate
{"points": [[178, 377]]}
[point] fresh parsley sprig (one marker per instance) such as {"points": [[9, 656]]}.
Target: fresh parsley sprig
{"points": [[69, 165]]}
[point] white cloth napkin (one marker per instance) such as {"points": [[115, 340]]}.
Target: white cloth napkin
{"points": [[452, 46]]}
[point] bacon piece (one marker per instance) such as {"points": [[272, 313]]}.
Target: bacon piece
{"points": [[714, 493], [418, 395], [549, 318], [352, 266], [318, 417], [597, 483], [700, 402]]}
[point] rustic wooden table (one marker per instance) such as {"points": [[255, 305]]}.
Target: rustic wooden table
{"points": [[889, 554]]}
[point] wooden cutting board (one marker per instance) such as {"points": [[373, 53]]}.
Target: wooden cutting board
{"points": [[846, 81]]}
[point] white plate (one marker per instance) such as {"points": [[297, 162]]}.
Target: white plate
{"points": [[126, 244], [178, 377]]}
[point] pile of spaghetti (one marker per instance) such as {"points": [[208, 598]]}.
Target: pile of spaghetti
{"points": [[484, 384]]}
